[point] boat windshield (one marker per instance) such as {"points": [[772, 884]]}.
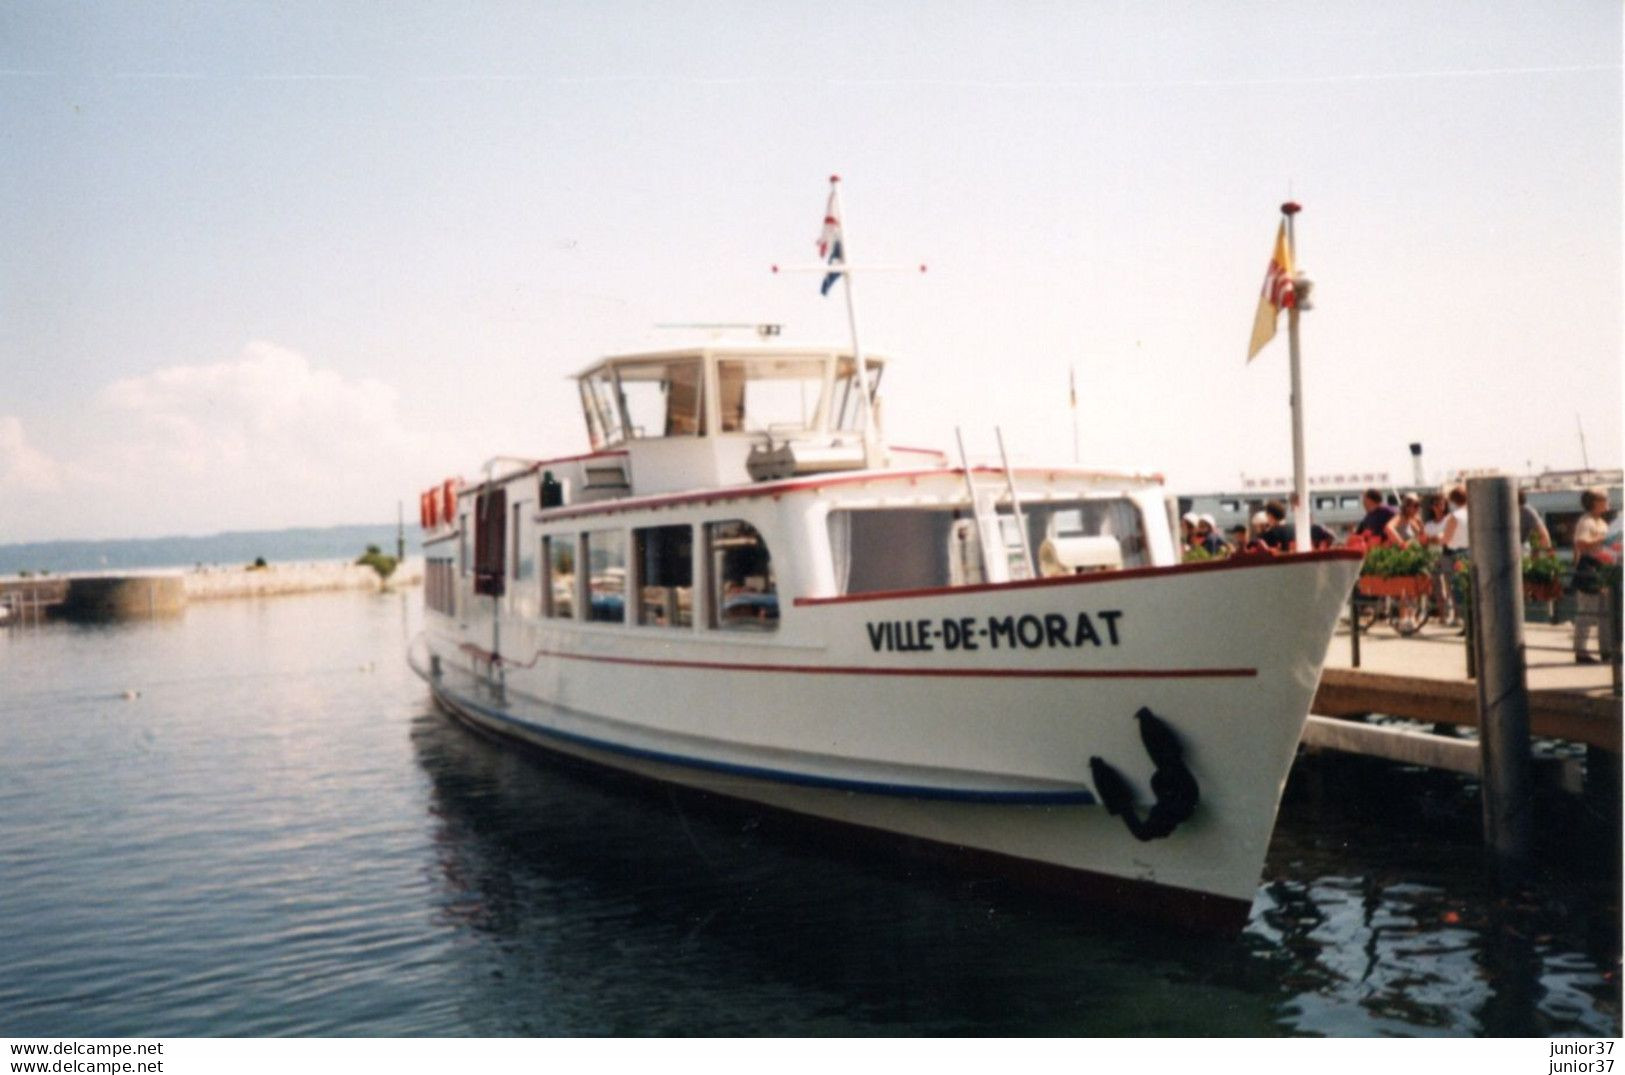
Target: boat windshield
{"points": [[848, 394], [633, 400], [779, 394], [654, 397]]}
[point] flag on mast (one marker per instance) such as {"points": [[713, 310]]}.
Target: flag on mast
{"points": [[829, 242], [1277, 294]]}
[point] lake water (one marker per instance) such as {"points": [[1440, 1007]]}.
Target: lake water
{"points": [[281, 836]]}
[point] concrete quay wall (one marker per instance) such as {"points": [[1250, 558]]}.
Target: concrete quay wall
{"points": [[142, 594], [211, 583]]}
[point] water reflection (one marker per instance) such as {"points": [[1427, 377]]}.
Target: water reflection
{"points": [[1379, 892], [601, 906], [590, 904]]}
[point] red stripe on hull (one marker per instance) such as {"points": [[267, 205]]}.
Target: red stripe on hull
{"points": [[864, 670]]}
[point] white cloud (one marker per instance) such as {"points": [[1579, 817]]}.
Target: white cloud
{"points": [[23, 467], [269, 410], [263, 440]]}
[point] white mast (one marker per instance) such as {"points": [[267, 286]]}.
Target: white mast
{"points": [[845, 256], [1300, 483], [841, 265]]}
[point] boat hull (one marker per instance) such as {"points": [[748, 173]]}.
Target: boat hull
{"points": [[965, 718]]}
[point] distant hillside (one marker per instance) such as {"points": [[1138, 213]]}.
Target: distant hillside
{"points": [[239, 547]]}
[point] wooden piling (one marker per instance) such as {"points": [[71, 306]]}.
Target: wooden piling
{"points": [[1503, 692]]}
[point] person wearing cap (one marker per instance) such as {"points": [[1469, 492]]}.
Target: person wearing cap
{"points": [[1208, 537], [1260, 523], [1187, 530]]}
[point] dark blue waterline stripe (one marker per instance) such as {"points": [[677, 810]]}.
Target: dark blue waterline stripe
{"points": [[905, 791]]}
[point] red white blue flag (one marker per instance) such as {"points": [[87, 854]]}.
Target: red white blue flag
{"points": [[829, 242]]}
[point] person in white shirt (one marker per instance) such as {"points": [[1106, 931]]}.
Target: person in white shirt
{"points": [[1591, 553]]}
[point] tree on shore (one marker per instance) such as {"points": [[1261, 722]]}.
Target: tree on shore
{"points": [[376, 559]]}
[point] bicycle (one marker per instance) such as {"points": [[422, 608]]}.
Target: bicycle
{"points": [[1407, 615]]}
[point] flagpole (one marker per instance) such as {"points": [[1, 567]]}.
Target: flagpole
{"points": [[1300, 484], [1072, 391], [852, 322]]}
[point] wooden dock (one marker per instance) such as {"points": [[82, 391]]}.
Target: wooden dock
{"points": [[1424, 678]]}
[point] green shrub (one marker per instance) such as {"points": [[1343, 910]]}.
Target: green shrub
{"points": [[1398, 561], [378, 561], [1542, 569]]}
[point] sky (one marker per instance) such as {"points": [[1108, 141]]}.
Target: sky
{"points": [[268, 265]]}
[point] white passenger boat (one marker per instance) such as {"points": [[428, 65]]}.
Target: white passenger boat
{"points": [[743, 589], [738, 591]]}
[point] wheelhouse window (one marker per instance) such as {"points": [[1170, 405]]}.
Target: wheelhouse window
{"points": [[605, 557], [632, 400], [463, 564], [559, 576], [744, 593], [849, 394], [762, 395], [662, 399], [665, 558]]}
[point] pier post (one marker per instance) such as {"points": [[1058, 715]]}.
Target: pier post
{"points": [[1354, 627], [1503, 692]]}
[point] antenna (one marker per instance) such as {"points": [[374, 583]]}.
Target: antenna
{"points": [[763, 329], [1584, 458]]}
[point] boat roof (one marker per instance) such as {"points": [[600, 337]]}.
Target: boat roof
{"points": [[734, 349]]}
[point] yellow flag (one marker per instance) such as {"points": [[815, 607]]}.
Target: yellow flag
{"points": [[1277, 294]]}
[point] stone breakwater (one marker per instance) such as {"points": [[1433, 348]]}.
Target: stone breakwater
{"points": [[210, 583], [97, 597]]}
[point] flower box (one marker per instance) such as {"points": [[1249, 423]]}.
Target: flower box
{"points": [[1395, 586], [1542, 591]]}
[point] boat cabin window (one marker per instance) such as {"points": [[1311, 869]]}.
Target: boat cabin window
{"points": [[887, 549], [665, 558], [463, 564], [522, 596], [894, 549], [769, 394], [490, 542], [1117, 518], [744, 594], [605, 557], [440, 585], [559, 576]]}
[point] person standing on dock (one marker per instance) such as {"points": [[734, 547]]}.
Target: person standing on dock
{"points": [[1282, 535], [1406, 527], [1531, 530], [1590, 556], [1454, 537], [1438, 516], [1377, 515]]}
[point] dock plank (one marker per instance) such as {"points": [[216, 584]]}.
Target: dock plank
{"points": [[1423, 678]]}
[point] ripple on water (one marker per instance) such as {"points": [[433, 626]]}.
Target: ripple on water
{"points": [[268, 842]]}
